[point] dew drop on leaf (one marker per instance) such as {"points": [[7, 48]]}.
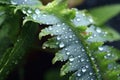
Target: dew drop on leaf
{"points": [[61, 45], [100, 48], [84, 70], [98, 30], [37, 11], [79, 74]]}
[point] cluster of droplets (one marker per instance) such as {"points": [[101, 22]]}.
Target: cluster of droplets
{"points": [[110, 56], [40, 17], [24, 2], [81, 19], [97, 34], [71, 50]]}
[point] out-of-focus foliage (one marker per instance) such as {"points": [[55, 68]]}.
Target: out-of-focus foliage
{"points": [[73, 33]]}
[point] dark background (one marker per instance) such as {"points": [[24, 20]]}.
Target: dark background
{"points": [[37, 63]]}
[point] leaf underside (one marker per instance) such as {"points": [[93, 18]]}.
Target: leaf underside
{"points": [[74, 34]]}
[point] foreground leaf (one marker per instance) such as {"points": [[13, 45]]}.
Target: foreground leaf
{"points": [[12, 56]]}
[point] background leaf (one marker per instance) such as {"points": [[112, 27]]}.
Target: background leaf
{"points": [[104, 13]]}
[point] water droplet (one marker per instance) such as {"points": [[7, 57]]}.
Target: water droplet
{"points": [[18, 40], [87, 66], [78, 74], [37, 11], [91, 20], [24, 11], [92, 79], [58, 25], [100, 48], [61, 45], [13, 2], [34, 16], [92, 58], [98, 30], [50, 28], [83, 50], [71, 59], [110, 66], [29, 11], [70, 36], [90, 73], [68, 53], [76, 41], [83, 70], [44, 15], [44, 47], [79, 56], [82, 59], [78, 19], [58, 38], [63, 28]]}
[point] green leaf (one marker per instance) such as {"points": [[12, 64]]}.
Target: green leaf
{"points": [[113, 35], [104, 13], [12, 56], [21, 2], [68, 37]]}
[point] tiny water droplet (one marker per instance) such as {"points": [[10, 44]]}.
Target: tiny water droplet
{"points": [[13, 2], [71, 59], [78, 74], [61, 45], [83, 50], [29, 11], [68, 53], [18, 40], [100, 48], [98, 30], [37, 11], [87, 66], [58, 38], [90, 73], [44, 15], [78, 19], [83, 70], [82, 59]]}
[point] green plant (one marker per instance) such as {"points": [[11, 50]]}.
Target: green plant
{"points": [[73, 33]]}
